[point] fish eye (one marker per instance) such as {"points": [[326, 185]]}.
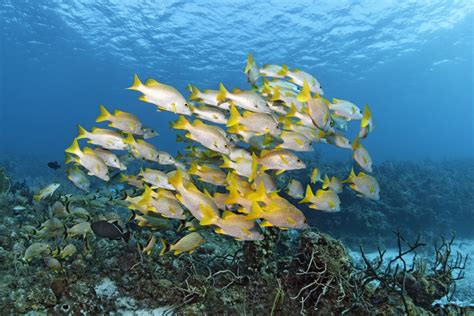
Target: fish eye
{"points": [[226, 146], [299, 160], [186, 105]]}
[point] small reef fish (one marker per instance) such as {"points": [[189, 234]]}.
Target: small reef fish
{"points": [[361, 155], [89, 160], [298, 77], [338, 140], [78, 178], [209, 113], [364, 184], [46, 192], [276, 159], [37, 249], [209, 136], [54, 165], [150, 245], [366, 124], [126, 122], [252, 71], [53, 264], [112, 231], [245, 99], [156, 178], [347, 110], [295, 189], [324, 200], [188, 243], [269, 70], [110, 159], [146, 151], [67, 251], [105, 138], [208, 97], [254, 122], [334, 184], [165, 97], [294, 141], [237, 226], [80, 230], [208, 173]]}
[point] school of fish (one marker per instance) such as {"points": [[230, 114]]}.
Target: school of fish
{"points": [[238, 142]]}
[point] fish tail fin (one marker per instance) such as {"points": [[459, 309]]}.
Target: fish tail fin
{"points": [[235, 116], [326, 182], [249, 63], [366, 118], [259, 195], [292, 111], [136, 83], [104, 115], [314, 175], [165, 247], [208, 215], [283, 71], [82, 132], [146, 196], [254, 167], [129, 140], [74, 148], [233, 196], [256, 211], [355, 144], [305, 93], [181, 123], [176, 179], [351, 176], [194, 92], [126, 236], [222, 95], [227, 162], [276, 94], [193, 169], [308, 196]]}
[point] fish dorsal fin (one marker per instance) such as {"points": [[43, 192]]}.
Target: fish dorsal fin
{"points": [[226, 214], [152, 83]]}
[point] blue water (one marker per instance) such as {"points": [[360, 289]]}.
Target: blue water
{"points": [[411, 62]]}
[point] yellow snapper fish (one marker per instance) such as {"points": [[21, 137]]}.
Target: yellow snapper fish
{"points": [[267, 180], [276, 159], [79, 212], [324, 200], [46, 192], [52, 227], [245, 99], [235, 225], [364, 184], [104, 138], [288, 98], [132, 180], [298, 77], [337, 140], [345, 109], [311, 132], [269, 70], [37, 249], [295, 141], [361, 155], [208, 173], [366, 124], [151, 243], [78, 178], [191, 198], [208, 97], [209, 113], [157, 178], [163, 96], [110, 158], [67, 251], [89, 160], [239, 152], [334, 184], [209, 136], [164, 203], [254, 121], [277, 211], [81, 230], [302, 116], [152, 221], [241, 166], [188, 243], [123, 121], [338, 123], [146, 151], [295, 189], [252, 71]]}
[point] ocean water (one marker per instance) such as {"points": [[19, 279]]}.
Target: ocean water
{"points": [[410, 61]]}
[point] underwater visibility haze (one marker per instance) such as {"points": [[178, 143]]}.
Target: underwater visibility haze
{"points": [[233, 157]]}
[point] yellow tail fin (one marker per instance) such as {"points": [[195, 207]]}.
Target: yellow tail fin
{"points": [[367, 116], [130, 140], [194, 92], [309, 196], [254, 167], [326, 182], [208, 215], [235, 116], [136, 83], [283, 71], [255, 212], [82, 132], [260, 195], [104, 115], [356, 143], [74, 148], [305, 93], [165, 247], [176, 179], [181, 123], [249, 63], [222, 95], [193, 169]]}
